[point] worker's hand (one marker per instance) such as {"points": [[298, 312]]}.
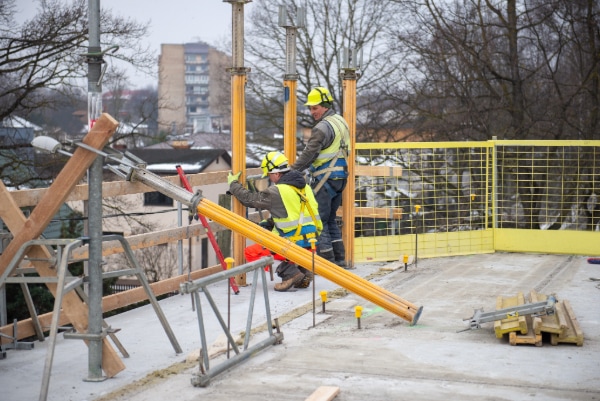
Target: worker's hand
{"points": [[192, 215], [233, 177], [267, 224]]}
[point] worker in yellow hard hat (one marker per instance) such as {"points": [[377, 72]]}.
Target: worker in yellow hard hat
{"points": [[294, 212], [325, 156]]}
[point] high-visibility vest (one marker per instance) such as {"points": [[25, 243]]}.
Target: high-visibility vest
{"points": [[303, 221], [332, 159]]}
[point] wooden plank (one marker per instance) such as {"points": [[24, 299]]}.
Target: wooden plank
{"points": [[168, 235], [27, 229], [378, 171], [146, 240], [510, 323], [529, 338], [561, 318], [375, 212], [536, 321], [31, 197], [324, 393], [547, 323], [132, 296], [25, 327], [572, 333]]}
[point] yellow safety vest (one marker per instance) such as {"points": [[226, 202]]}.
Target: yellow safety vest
{"points": [[340, 143], [303, 220]]}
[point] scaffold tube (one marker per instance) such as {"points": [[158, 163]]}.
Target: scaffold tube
{"points": [[359, 286]]}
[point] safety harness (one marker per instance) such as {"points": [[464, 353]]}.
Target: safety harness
{"points": [[304, 204], [338, 125]]}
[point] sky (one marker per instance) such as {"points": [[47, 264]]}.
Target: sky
{"points": [[171, 21]]}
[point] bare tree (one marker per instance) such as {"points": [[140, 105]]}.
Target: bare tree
{"points": [[47, 51], [42, 71], [136, 110], [513, 69], [159, 262], [331, 26]]}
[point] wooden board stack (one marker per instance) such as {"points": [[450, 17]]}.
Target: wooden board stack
{"points": [[561, 327]]}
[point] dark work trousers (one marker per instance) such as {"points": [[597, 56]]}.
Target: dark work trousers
{"points": [[288, 269], [329, 199]]}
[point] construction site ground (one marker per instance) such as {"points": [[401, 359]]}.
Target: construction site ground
{"points": [[386, 359]]}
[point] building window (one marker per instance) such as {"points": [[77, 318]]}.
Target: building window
{"points": [[157, 199]]}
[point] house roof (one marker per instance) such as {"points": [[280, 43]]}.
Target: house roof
{"points": [[18, 122], [193, 161], [254, 152]]}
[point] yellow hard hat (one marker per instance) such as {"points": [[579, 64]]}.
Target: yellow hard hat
{"points": [[274, 162], [317, 96]]}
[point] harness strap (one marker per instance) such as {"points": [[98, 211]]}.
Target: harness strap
{"points": [[328, 172], [306, 237], [304, 204]]}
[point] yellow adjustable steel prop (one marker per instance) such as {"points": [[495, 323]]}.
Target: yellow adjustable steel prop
{"points": [[282, 246]]}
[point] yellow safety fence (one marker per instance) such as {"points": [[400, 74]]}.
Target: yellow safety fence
{"points": [[432, 199]]}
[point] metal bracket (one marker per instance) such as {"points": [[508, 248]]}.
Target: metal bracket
{"points": [[206, 372], [87, 336], [536, 308], [15, 344]]}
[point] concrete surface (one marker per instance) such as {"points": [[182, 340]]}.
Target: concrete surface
{"points": [[384, 360]]}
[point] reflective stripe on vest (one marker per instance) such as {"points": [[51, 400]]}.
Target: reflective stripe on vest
{"points": [[340, 141], [295, 216]]}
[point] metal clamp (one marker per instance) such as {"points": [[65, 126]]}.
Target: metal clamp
{"points": [[537, 309]]}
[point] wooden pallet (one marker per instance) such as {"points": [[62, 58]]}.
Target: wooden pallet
{"points": [[510, 323], [562, 326], [572, 333], [550, 323], [529, 338]]}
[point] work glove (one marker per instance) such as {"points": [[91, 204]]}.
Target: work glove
{"points": [[192, 216], [267, 224], [233, 177]]}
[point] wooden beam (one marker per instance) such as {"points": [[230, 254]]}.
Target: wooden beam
{"points": [[376, 212], [513, 323], [324, 393], [24, 229], [378, 171], [31, 197], [129, 297]]}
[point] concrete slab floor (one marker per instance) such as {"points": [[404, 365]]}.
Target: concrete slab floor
{"points": [[386, 359]]}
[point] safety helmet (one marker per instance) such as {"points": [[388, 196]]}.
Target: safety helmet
{"points": [[317, 96], [274, 162]]}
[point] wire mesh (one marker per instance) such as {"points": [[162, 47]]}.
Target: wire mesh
{"points": [[453, 198], [548, 187], [426, 192]]}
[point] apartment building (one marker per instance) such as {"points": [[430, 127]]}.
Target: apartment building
{"points": [[193, 89]]}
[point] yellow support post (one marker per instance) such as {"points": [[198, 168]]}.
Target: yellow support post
{"points": [[330, 271], [290, 79], [289, 119], [349, 113], [238, 119]]}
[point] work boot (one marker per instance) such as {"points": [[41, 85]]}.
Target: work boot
{"points": [[305, 282], [287, 284], [327, 255], [339, 253]]}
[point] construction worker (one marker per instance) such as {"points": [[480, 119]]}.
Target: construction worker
{"points": [[325, 157], [293, 208]]}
